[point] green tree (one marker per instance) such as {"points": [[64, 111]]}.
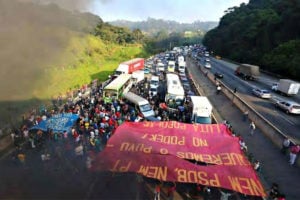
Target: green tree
{"points": [[250, 32]]}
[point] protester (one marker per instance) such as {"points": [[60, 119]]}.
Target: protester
{"points": [[294, 150], [256, 165], [243, 144], [171, 191], [12, 135], [45, 156], [285, 145], [224, 195], [98, 120], [252, 128], [157, 190], [274, 191], [219, 89], [245, 115], [21, 156]]}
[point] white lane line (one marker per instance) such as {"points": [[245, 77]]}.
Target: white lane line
{"points": [[289, 121]]}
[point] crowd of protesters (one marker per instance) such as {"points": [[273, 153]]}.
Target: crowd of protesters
{"points": [[96, 124]]}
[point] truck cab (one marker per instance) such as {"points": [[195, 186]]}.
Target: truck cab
{"points": [[201, 110], [247, 71], [286, 87], [274, 87]]}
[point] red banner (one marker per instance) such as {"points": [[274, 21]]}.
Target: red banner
{"points": [[173, 151]]}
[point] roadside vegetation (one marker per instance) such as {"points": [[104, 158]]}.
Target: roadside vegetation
{"points": [[265, 33], [53, 52], [163, 41]]}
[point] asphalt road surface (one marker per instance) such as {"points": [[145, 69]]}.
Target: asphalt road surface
{"points": [[64, 176], [287, 123]]}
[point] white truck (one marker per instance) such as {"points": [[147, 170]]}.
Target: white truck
{"points": [[138, 76], [248, 72], [201, 110], [180, 59], [287, 87], [128, 67], [181, 66]]}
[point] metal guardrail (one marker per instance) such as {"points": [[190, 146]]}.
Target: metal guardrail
{"points": [[261, 122]]}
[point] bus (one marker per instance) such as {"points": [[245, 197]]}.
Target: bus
{"points": [[117, 88], [175, 92]]}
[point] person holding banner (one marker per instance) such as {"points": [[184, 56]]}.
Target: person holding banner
{"points": [[224, 195], [157, 191], [171, 191]]}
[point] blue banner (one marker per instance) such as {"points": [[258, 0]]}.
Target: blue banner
{"points": [[58, 123]]}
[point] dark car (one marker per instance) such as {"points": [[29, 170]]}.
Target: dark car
{"points": [[218, 75], [186, 86], [158, 73]]}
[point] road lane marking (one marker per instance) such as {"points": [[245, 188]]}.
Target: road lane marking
{"points": [[289, 121]]}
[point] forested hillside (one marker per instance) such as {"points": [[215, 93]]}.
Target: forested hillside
{"points": [[46, 51], [159, 35], [263, 32], [153, 26]]}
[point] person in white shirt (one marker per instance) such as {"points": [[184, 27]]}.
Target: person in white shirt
{"points": [[252, 128]]}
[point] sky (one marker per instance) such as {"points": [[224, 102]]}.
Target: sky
{"points": [[186, 11]]}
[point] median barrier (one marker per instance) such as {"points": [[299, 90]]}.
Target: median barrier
{"points": [[265, 126]]}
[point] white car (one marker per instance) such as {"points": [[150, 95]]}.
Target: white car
{"points": [[288, 106], [154, 82], [152, 91], [265, 94], [207, 65]]}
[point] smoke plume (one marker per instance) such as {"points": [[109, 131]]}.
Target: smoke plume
{"points": [[80, 5], [32, 37]]}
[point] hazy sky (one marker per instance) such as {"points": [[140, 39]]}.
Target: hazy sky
{"points": [[178, 10]]}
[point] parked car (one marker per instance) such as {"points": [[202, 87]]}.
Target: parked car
{"points": [[265, 94], [288, 106], [207, 65], [218, 75]]}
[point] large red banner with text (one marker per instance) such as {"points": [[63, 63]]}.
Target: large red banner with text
{"points": [[173, 151]]}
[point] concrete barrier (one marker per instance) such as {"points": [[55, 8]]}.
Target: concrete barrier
{"points": [[265, 126]]}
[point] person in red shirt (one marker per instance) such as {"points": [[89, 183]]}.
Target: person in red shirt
{"points": [[171, 191], [157, 192], [294, 150]]}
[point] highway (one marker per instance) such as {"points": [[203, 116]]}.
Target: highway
{"points": [[275, 167], [288, 124]]}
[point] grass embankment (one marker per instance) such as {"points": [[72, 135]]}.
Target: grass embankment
{"points": [[84, 59]]}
